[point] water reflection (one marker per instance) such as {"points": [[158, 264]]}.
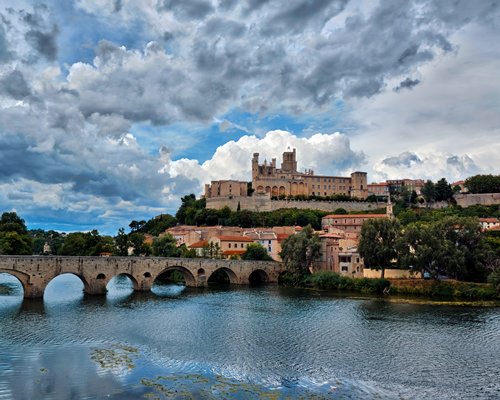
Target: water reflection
{"points": [[247, 342]]}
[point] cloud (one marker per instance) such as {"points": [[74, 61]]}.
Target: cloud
{"points": [[425, 166], [325, 153], [13, 84], [88, 136], [408, 83]]}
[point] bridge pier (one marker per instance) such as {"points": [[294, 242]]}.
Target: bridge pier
{"points": [[95, 287]]}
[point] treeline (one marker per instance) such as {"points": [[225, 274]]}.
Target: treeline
{"points": [[449, 246]]}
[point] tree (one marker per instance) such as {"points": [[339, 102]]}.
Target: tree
{"points": [[122, 243], [137, 226], [298, 252], [443, 191], [137, 242], [165, 246], [451, 246], [255, 251], [429, 191], [377, 243], [10, 222], [14, 243], [14, 238], [483, 184]]}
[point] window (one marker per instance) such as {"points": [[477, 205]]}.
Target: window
{"points": [[269, 242], [229, 245], [344, 269], [269, 249], [242, 245]]}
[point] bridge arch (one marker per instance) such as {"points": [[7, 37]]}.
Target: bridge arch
{"points": [[258, 277], [87, 288], [233, 279], [186, 273], [20, 276], [132, 278]]}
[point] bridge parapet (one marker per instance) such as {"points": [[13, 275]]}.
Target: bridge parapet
{"points": [[35, 272]]}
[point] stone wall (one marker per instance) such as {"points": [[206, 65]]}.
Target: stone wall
{"points": [[264, 203], [486, 199], [392, 273]]}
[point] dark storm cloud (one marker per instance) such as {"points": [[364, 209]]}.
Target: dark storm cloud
{"points": [[405, 159], [187, 9], [14, 85], [408, 83]]}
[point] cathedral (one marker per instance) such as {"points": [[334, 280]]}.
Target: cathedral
{"points": [[287, 181]]}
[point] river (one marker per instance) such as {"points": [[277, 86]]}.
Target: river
{"points": [[241, 343]]}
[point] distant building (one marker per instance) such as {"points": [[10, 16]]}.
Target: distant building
{"points": [[489, 223], [231, 246], [396, 185], [379, 189], [226, 188], [350, 224], [287, 181]]}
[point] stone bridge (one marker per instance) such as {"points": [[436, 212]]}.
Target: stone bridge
{"points": [[35, 272]]}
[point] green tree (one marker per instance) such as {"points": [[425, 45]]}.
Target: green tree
{"points": [[429, 191], [255, 251], [122, 243], [483, 184], [137, 242], [14, 243], [443, 191], [298, 253], [75, 244], [377, 243], [165, 246], [11, 222]]}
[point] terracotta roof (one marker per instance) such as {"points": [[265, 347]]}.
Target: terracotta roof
{"points": [[340, 216], [233, 252], [234, 238], [490, 220], [199, 245], [282, 236]]}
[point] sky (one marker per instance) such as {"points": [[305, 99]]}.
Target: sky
{"points": [[112, 110]]}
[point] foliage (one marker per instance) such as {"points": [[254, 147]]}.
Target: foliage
{"points": [[443, 190], [255, 251], [429, 191], [447, 289], [212, 250], [54, 239], [14, 243], [494, 278], [190, 209], [14, 238], [327, 280], [450, 246], [136, 240], [122, 243], [298, 252], [165, 246], [377, 243], [483, 184], [87, 244]]}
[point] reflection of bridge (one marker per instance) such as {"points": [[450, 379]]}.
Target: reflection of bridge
{"points": [[35, 272]]}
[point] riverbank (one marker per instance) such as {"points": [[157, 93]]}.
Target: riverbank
{"points": [[449, 289]]}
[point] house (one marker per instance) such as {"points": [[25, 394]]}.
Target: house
{"points": [[349, 223], [267, 239], [199, 247], [231, 245], [488, 224]]}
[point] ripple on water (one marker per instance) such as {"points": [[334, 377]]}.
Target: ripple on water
{"points": [[290, 341]]}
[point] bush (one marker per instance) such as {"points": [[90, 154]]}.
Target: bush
{"points": [[327, 280]]}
